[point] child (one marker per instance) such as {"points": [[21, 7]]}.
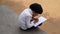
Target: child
{"points": [[26, 18]]}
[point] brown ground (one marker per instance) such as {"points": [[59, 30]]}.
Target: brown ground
{"points": [[51, 11]]}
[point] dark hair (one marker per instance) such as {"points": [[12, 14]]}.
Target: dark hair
{"points": [[36, 8]]}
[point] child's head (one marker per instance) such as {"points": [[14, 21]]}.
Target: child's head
{"points": [[36, 8]]}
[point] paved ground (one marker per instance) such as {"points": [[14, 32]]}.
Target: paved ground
{"points": [[9, 23]]}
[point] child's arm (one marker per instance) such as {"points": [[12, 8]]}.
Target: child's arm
{"points": [[29, 23]]}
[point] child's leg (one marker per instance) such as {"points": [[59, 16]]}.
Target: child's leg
{"points": [[34, 27]]}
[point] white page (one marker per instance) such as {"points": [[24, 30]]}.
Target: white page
{"points": [[41, 20]]}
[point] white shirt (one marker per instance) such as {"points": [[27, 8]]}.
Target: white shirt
{"points": [[25, 18]]}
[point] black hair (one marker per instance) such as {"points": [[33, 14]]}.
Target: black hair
{"points": [[36, 8]]}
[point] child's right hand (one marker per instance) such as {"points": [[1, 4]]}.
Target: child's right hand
{"points": [[35, 20]]}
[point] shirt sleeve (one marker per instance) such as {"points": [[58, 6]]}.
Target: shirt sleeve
{"points": [[29, 23]]}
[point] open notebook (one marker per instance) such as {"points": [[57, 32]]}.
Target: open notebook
{"points": [[41, 20]]}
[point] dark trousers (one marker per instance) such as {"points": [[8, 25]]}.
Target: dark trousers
{"points": [[31, 27]]}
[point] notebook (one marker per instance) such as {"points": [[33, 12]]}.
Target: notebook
{"points": [[41, 20]]}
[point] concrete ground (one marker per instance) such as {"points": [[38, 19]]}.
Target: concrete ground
{"points": [[9, 23]]}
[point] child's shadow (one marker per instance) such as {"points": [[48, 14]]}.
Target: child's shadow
{"points": [[33, 31]]}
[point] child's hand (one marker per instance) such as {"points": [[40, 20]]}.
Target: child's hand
{"points": [[35, 20]]}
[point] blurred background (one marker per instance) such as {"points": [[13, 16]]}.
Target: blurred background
{"points": [[51, 10]]}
